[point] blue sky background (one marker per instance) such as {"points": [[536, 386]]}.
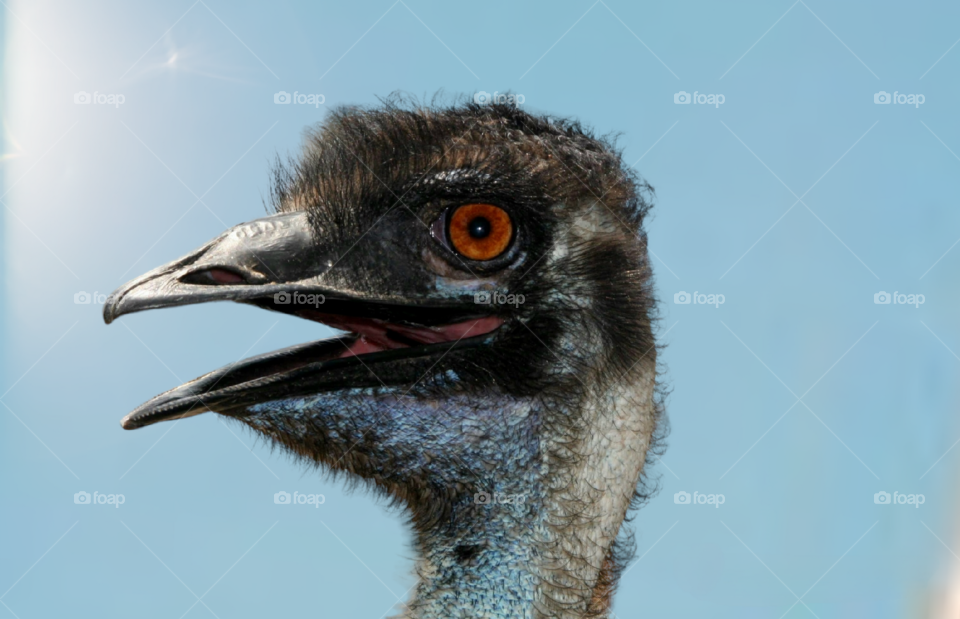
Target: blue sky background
{"points": [[797, 199]]}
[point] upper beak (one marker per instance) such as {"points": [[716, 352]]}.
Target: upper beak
{"points": [[257, 259]]}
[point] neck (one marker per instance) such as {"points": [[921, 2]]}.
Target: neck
{"points": [[486, 568], [480, 559], [493, 566], [540, 539], [515, 517]]}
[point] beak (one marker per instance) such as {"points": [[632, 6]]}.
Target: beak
{"points": [[255, 260], [277, 263]]}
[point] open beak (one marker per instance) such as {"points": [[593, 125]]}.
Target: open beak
{"points": [[277, 263]]}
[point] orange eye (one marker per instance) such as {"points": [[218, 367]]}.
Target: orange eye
{"points": [[480, 231]]}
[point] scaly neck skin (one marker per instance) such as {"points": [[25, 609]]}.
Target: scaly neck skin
{"points": [[539, 555], [443, 458], [479, 561], [483, 567]]}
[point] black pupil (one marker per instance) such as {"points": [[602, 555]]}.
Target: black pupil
{"points": [[479, 227]]}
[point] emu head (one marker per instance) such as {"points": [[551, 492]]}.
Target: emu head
{"points": [[497, 375]]}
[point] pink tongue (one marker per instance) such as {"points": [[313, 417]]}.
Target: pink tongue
{"points": [[374, 337]]}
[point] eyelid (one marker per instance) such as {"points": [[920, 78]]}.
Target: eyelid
{"points": [[438, 229]]}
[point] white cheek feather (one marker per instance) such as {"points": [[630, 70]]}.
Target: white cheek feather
{"points": [[588, 505], [588, 502]]}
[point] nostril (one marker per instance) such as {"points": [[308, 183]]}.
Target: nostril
{"points": [[213, 277]]}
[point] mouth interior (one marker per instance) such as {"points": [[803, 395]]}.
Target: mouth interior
{"points": [[375, 335], [376, 327], [373, 327]]}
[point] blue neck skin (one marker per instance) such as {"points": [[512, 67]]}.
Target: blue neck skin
{"points": [[468, 469]]}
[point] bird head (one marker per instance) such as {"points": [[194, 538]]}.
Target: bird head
{"points": [[496, 375]]}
